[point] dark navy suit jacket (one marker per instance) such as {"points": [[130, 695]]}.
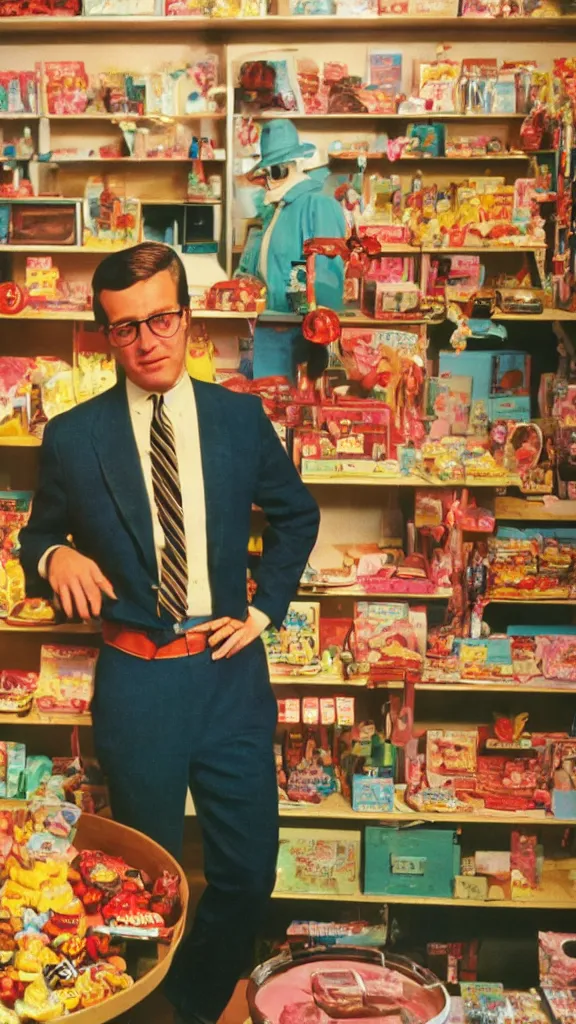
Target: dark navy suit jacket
{"points": [[92, 488]]}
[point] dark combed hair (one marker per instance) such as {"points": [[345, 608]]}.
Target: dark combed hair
{"points": [[123, 269]]}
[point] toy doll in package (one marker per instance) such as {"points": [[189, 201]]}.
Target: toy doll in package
{"points": [[109, 218], [297, 642], [14, 512], [385, 637], [66, 87], [66, 680]]}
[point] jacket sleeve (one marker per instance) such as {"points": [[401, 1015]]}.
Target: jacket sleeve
{"points": [[327, 221], [49, 523], [292, 525]]}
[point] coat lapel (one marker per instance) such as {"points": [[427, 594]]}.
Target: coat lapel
{"points": [[118, 455], [216, 467]]}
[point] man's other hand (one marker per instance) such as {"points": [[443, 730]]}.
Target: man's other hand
{"points": [[233, 634], [78, 582]]}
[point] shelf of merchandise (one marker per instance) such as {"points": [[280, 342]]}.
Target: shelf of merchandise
{"points": [[87, 314], [382, 480], [540, 28], [426, 157], [337, 807], [482, 686], [380, 595], [63, 627], [128, 160], [429, 115], [39, 718], [347, 318], [434, 249], [205, 115]]}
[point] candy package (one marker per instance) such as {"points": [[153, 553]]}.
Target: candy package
{"points": [[17, 690], [14, 512], [66, 680]]}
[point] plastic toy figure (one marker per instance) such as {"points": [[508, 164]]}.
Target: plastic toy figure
{"points": [[295, 210]]}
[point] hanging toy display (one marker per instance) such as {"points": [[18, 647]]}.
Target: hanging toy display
{"points": [[320, 325], [13, 298], [459, 337]]}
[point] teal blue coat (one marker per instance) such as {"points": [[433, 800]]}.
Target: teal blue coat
{"points": [[307, 212]]}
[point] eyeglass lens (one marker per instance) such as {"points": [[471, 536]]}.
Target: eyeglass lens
{"points": [[162, 325]]}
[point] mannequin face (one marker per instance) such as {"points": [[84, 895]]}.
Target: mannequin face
{"points": [[272, 183]]}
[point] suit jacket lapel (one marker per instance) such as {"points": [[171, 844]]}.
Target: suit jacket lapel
{"points": [[215, 463], [115, 445]]}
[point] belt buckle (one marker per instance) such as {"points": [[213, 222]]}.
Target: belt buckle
{"points": [[190, 636]]}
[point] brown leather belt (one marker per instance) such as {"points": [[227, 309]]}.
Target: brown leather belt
{"points": [[131, 641]]}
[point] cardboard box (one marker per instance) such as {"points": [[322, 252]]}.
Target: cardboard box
{"points": [[370, 793], [470, 887], [319, 861], [509, 407], [414, 862]]}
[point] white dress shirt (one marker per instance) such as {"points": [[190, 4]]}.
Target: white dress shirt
{"points": [[180, 406]]}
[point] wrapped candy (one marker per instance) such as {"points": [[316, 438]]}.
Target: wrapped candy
{"points": [[166, 897], [39, 1002]]}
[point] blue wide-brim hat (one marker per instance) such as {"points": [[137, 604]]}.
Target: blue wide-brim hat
{"points": [[280, 144]]}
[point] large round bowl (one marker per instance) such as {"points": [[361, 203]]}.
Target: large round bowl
{"points": [[286, 978], [95, 833]]}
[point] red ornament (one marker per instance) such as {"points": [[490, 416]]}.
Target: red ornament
{"points": [[321, 326], [13, 298]]}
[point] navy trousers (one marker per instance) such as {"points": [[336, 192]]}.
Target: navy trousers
{"points": [[163, 726]]}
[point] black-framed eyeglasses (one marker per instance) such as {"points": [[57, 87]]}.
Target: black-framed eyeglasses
{"points": [[162, 325]]}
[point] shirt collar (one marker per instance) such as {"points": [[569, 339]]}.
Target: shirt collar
{"points": [[177, 398]]}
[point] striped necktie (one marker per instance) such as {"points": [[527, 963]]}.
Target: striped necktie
{"points": [[173, 592]]}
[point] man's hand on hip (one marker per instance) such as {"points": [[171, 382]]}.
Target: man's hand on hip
{"points": [[233, 634], [78, 582]]}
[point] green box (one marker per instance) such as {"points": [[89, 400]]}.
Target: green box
{"points": [[410, 862]]}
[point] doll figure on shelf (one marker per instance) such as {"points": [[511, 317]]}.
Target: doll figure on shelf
{"points": [[295, 209], [351, 202]]}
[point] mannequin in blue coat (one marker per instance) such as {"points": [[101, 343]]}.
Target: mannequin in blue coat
{"points": [[295, 209]]}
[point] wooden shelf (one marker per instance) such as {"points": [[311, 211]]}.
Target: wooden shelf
{"points": [[358, 593], [64, 627], [522, 509], [99, 251], [184, 118], [87, 314], [37, 718], [426, 158], [535, 599], [548, 316], [320, 679], [20, 442], [541, 904], [265, 115], [431, 249], [337, 807], [482, 686], [381, 480], [125, 160], [539, 28]]}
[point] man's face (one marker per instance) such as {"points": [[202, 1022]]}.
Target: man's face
{"points": [[152, 363]]}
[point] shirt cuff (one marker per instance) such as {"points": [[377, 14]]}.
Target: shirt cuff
{"points": [[260, 618], [43, 563]]}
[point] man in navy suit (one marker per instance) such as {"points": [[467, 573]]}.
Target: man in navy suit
{"points": [[142, 516]]}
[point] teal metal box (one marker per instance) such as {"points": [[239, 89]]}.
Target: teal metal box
{"points": [[410, 862]]}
